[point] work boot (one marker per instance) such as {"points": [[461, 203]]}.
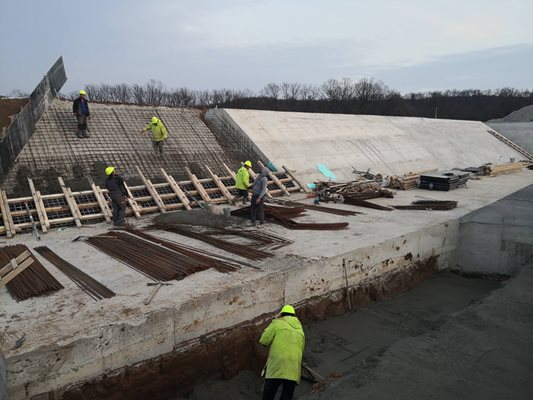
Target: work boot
{"points": [[86, 134], [79, 134]]}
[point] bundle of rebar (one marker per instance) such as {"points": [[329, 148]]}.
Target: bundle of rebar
{"points": [[219, 262], [235, 248], [363, 203], [429, 205], [324, 209], [262, 239], [154, 261], [85, 282], [33, 281], [285, 215]]}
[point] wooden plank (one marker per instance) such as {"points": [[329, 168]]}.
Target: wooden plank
{"points": [[39, 206], [176, 188], [198, 186], [275, 179], [13, 274], [21, 257], [220, 185], [153, 192], [230, 172], [6, 215], [71, 202], [102, 202], [302, 186], [137, 209]]}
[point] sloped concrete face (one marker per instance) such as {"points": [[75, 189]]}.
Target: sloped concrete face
{"points": [[115, 139], [387, 145]]}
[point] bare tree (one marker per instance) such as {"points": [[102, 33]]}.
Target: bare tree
{"points": [[271, 90]]}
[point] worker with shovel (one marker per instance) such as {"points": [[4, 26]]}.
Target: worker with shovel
{"points": [[286, 340], [159, 134], [118, 193]]}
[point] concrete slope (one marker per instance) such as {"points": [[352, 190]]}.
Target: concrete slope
{"points": [[387, 145], [520, 133], [524, 114], [115, 140]]}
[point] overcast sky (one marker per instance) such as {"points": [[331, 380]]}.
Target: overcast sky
{"points": [[411, 45]]}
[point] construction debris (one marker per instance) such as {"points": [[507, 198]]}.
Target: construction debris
{"points": [[324, 209], [33, 281], [88, 284], [429, 205], [264, 240], [354, 201]]}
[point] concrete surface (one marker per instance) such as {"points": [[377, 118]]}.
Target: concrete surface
{"points": [[3, 377], [339, 344], [483, 352], [71, 338], [520, 133], [497, 239], [386, 145], [524, 114], [115, 139]]}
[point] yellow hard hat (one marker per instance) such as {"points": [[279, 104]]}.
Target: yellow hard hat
{"points": [[109, 170], [288, 309], [82, 92], [154, 120], [248, 163]]}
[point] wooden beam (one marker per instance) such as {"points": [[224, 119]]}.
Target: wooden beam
{"points": [[39, 206], [198, 186], [137, 209], [71, 201], [230, 172], [220, 185], [6, 215], [176, 188], [153, 192], [16, 270], [102, 202], [275, 179], [302, 186], [17, 260]]}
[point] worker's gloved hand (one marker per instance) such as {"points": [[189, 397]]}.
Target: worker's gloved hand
{"points": [[257, 201]]}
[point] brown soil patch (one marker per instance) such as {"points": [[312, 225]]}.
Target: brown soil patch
{"points": [[9, 107]]}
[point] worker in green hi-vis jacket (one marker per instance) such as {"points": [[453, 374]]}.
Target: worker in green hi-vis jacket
{"points": [[286, 341]]}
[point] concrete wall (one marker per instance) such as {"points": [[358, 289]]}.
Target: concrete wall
{"points": [[519, 132], [3, 377], [178, 326], [387, 145], [498, 238], [21, 129]]}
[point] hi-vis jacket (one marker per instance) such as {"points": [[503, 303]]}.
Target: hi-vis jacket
{"points": [[159, 132], [286, 339]]}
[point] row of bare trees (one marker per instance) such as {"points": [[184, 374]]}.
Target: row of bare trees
{"points": [[365, 96]]}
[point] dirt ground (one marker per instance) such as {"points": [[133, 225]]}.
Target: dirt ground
{"points": [[9, 107], [337, 346]]}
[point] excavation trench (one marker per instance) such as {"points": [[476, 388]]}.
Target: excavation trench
{"points": [[223, 354]]}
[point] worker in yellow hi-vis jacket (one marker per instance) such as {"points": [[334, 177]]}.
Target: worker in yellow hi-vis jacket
{"points": [[159, 134], [286, 341]]}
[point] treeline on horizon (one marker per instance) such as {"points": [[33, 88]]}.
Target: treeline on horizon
{"points": [[365, 96]]}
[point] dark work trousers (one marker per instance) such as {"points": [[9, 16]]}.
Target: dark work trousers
{"points": [[158, 146], [272, 385], [82, 125], [243, 193], [119, 208], [257, 210]]}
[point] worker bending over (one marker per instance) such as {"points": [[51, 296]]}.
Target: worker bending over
{"points": [[118, 193], [286, 341], [242, 181], [159, 134]]}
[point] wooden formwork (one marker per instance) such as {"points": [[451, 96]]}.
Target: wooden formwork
{"points": [[88, 206]]}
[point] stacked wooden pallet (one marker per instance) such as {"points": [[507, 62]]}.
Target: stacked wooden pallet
{"points": [[505, 168], [404, 182]]}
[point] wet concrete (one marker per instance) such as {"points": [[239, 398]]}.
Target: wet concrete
{"points": [[336, 346]]}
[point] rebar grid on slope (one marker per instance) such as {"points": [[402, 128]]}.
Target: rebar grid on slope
{"points": [[87, 283], [33, 281]]}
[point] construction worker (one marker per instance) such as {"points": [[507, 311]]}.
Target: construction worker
{"points": [[242, 181], [118, 193], [259, 189], [159, 134], [286, 341], [80, 109]]}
